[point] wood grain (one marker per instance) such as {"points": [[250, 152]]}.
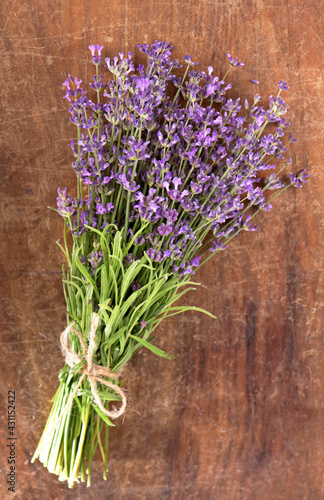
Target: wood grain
{"points": [[239, 414]]}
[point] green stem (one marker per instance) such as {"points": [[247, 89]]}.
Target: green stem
{"points": [[75, 471]]}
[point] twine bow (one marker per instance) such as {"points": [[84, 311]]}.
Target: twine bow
{"points": [[90, 370]]}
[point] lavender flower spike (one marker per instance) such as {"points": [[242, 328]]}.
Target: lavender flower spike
{"points": [[233, 61], [96, 53]]}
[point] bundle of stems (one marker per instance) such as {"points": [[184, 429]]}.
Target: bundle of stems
{"points": [[68, 444]]}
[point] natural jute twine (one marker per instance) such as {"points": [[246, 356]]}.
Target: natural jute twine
{"points": [[90, 370]]}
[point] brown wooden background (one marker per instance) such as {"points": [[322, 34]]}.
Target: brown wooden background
{"points": [[239, 414]]}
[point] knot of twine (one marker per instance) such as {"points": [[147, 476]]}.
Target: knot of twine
{"points": [[92, 371]]}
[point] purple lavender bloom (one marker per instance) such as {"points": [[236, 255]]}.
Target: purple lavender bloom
{"points": [[120, 67], [100, 209], [217, 245], [96, 53], [165, 229], [127, 260], [272, 182], [110, 207], [195, 261], [65, 203], [283, 85], [95, 259], [137, 150], [170, 214], [188, 60], [84, 217], [127, 184], [246, 224], [233, 61], [196, 188], [298, 180], [135, 286], [151, 253], [232, 106], [98, 85], [256, 196], [149, 207], [143, 157]]}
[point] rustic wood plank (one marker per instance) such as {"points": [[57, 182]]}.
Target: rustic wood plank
{"points": [[239, 414]]}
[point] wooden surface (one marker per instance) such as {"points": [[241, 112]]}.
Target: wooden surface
{"points": [[239, 414]]}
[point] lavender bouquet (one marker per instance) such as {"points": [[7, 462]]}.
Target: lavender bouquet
{"points": [[164, 181]]}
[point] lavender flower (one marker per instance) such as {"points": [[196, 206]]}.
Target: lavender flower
{"points": [[189, 61], [299, 179], [283, 85], [65, 204], [273, 182], [233, 61], [96, 53]]}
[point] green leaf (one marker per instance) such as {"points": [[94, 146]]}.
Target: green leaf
{"points": [[128, 303], [86, 274], [66, 255], [191, 308], [110, 325], [129, 277], [54, 209], [77, 367], [102, 415], [115, 336], [73, 316], [152, 348], [103, 284], [104, 396], [117, 247], [144, 226], [125, 357], [105, 304], [70, 282], [114, 280], [76, 399]]}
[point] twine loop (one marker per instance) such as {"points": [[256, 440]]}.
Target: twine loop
{"points": [[95, 373]]}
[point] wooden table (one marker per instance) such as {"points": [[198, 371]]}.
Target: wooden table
{"points": [[239, 414]]}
